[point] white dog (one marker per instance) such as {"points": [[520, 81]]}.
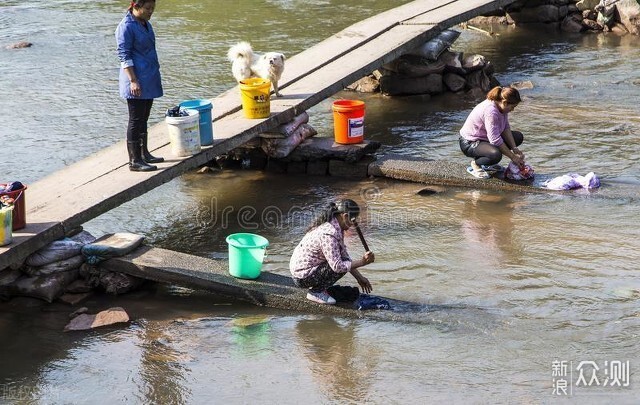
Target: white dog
{"points": [[246, 64]]}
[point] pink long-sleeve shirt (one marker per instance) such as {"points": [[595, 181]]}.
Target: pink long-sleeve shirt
{"points": [[323, 244], [485, 123]]}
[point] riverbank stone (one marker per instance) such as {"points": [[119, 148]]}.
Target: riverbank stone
{"points": [[19, 45], [110, 316], [317, 167], [359, 169], [326, 148]]}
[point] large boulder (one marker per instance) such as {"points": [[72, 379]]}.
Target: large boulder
{"points": [[395, 85], [472, 63], [368, 84], [454, 82], [453, 62], [630, 17], [573, 23], [587, 4], [541, 14], [479, 79]]}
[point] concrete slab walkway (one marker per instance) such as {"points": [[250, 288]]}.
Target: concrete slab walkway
{"points": [[269, 289]]}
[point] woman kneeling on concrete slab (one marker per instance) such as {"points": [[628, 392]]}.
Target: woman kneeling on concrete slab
{"points": [[321, 257], [486, 134], [140, 80]]}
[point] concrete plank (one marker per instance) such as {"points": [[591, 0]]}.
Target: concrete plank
{"points": [[29, 239], [269, 289], [458, 11], [354, 37], [445, 173], [340, 73]]}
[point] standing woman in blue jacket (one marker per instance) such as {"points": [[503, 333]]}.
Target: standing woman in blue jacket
{"points": [[140, 80]]}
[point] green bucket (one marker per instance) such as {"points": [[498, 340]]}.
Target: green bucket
{"points": [[246, 252]]}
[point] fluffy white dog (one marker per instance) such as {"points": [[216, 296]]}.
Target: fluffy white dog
{"points": [[246, 64]]}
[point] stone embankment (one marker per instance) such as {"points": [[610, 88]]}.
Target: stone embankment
{"points": [[618, 16], [432, 69]]}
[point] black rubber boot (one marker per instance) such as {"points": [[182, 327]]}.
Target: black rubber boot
{"points": [[146, 155], [136, 163]]}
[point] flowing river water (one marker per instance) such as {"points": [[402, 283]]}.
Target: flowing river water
{"points": [[533, 279]]}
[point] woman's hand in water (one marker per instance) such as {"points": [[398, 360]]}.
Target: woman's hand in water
{"points": [[364, 283], [518, 159]]}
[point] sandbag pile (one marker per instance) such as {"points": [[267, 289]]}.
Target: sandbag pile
{"points": [[283, 139], [275, 144], [68, 265], [431, 68], [47, 272]]}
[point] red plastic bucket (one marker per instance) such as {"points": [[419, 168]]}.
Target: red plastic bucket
{"points": [[348, 121], [19, 206]]}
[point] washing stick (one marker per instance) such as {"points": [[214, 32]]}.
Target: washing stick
{"points": [[364, 242]]}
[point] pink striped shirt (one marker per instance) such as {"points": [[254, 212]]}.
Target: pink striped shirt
{"points": [[485, 123], [323, 244]]}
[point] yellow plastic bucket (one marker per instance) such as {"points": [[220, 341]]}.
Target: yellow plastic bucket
{"points": [[6, 225], [256, 97]]}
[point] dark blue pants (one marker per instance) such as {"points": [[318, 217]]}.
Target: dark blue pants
{"points": [[139, 111]]}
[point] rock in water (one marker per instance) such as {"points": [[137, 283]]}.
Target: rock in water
{"points": [[19, 45], [104, 318]]}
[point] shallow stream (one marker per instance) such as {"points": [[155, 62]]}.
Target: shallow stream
{"points": [[535, 278]]}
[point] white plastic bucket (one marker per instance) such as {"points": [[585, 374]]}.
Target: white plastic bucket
{"points": [[184, 133]]}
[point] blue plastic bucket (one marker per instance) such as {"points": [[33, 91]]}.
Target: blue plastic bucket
{"points": [[246, 252], [204, 107]]}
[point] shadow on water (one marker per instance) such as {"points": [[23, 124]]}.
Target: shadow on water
{"points": [[329, 347], [157, 351], [162, 375], [141, 352]]}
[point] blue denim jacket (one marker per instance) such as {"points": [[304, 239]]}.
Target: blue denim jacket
{"points": [[137, 48]]}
